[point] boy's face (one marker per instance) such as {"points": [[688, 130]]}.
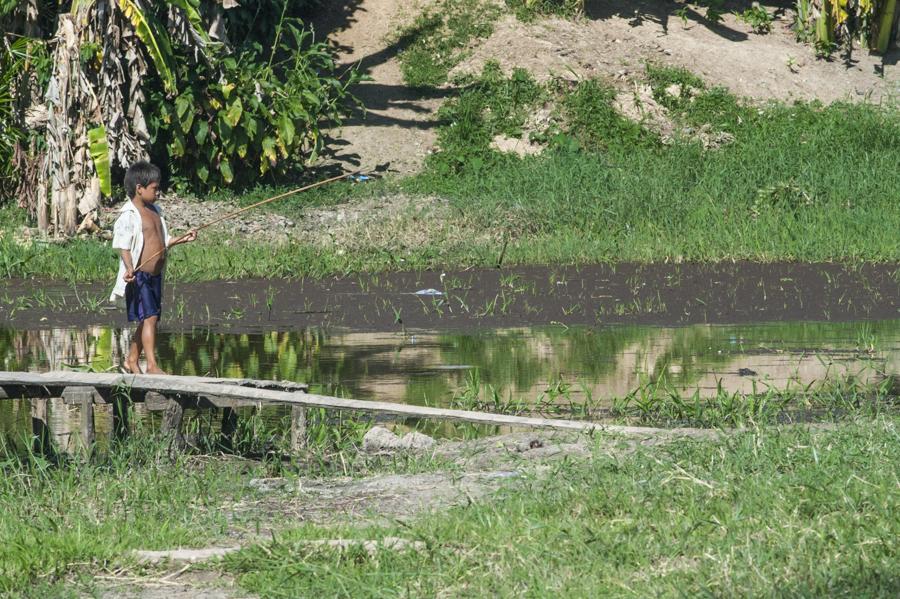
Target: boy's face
{"points": [[149, 193]]}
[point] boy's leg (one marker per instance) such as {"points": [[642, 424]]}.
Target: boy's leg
{"points": [[134, 350], [148, 337]]}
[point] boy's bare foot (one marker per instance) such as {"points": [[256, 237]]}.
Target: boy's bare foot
{"points": [[155, 370], [131, 367]]}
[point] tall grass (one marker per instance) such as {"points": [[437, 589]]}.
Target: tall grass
{"points": [[60, 520]]}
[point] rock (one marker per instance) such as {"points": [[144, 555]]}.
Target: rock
{"points": [[268, 484], [674, 90], [529, 444], [183, 555], [379, 438], [416, 441]]}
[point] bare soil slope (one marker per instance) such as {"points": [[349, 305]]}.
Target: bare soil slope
{"points": [[612, 41]]}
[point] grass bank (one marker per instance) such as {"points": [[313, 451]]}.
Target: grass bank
{"points": [[760, 512], [765, 512], [720, 179]]}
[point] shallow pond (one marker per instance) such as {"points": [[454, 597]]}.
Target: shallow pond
{"points": [[532, 365]]}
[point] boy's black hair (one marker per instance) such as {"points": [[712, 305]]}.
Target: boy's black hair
{"points": [[140, 173]]}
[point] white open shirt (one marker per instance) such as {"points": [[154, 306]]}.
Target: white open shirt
{"points": [[128, 234]]}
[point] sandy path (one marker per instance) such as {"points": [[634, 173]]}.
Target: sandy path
{"points": [[398, 128]]}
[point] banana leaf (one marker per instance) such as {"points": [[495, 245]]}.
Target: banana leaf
{"points": [[154, 39], [193, 16], [99, 149]]}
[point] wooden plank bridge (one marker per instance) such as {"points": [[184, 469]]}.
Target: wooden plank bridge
{"points": [[173, 394]]}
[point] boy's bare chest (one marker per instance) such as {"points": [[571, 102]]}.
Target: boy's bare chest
{"points": [[151, 225]]}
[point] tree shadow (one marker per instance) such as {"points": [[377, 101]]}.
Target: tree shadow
{"points": [[660, 11], [341, 14]]}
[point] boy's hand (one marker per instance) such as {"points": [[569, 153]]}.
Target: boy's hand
{"points": [[186, 238], [129, 276]]}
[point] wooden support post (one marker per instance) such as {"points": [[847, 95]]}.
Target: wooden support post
{"points": [[298, 428], [39, 428], [83, 396], [229, 426], [88, 434], [171, 423]]}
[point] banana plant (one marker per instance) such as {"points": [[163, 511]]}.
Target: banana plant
{"points": [[874, 22], [105, 52]]}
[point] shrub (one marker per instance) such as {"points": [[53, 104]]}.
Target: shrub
{"points": [[261, 110]]}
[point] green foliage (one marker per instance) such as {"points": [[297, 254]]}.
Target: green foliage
{"points": [[714, 9], [155, 40], [687, 98], [437, 39], [662, 78], [250, 113], [591, 119], [527, 10], [488, 105], [758, 18]]}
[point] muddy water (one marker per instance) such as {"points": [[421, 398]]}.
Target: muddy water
{"points": [[556, 363]]}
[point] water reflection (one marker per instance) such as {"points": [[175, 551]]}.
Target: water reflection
{"points": [[425, 366]]}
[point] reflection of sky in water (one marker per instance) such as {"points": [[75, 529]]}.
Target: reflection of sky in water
{"points": [[419, 366]]}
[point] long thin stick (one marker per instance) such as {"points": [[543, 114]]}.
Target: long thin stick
{"points": [[244, 209]]}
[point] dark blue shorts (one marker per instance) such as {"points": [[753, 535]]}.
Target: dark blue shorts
{"points": [[143, 296]]}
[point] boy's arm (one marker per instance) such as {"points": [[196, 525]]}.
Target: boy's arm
{"points": [[186, 238], [129, 267]]}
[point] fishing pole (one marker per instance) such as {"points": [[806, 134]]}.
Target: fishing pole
{"points": [[244, 209]]}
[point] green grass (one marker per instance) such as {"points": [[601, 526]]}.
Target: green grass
{"points": [[438, 38], [801, 182], [763, 511], [529, 10], [768, 512], [60, 521], [592, 121], [67, 519], [662, 403], [487, 106]]}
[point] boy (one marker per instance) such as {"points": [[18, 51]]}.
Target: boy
{"points": [[141, 236]]}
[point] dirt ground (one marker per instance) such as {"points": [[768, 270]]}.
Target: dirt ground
{"points": [[594, 295]]}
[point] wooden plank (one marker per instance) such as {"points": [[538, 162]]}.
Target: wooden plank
{"points": [[88, 432], [156, 402], [173, 384]]}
